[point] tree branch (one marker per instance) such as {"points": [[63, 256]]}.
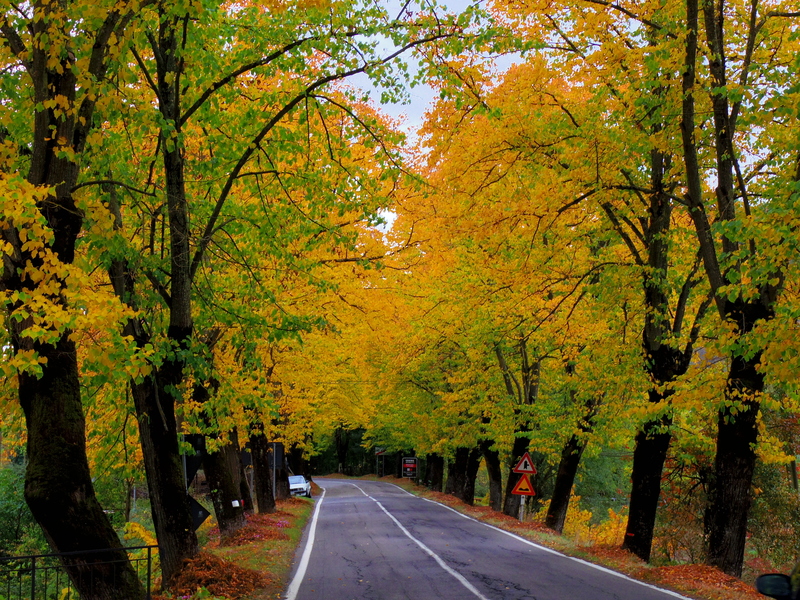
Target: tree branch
{"points": [[256, 141], [240, 71], [111, 182]]}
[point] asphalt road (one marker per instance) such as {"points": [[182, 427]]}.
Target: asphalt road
{"points": [[373, 541]]}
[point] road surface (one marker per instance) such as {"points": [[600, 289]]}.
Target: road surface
{"points": [[372, 540]]}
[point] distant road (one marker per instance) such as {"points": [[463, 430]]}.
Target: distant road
{"points": [[373, 541]]}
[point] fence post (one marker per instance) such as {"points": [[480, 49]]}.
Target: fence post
{"points": [[149, 565], [33, 578]]}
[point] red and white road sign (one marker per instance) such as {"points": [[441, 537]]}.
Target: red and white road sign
{"points": [[524, 487], [525, 465]]}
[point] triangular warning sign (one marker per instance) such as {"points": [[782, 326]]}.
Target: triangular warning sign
{"points": [[525, 465], [524, 487]]}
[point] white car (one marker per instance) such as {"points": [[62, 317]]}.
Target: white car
{"points": [[299, 486]]}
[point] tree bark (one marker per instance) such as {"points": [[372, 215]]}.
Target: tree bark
{"points": [[342, 442], [299, 464], [58, 484], [244, 487], [169, 502], [462, 471], [652, 443], [526, 394], [663, 364], [262, 472], [565, 478], [434, 475], [223, 469], [281, 475], [495, 471], [512, 501], [398, 465], [155, 397], [158, 433], [737, 434]]}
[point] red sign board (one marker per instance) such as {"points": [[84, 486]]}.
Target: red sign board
{"points": [[525, 465], [410, 467], [524, 487]]}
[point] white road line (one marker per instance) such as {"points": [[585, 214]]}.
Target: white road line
{"points": [[294, 587], [458, 576], [545, 548]]}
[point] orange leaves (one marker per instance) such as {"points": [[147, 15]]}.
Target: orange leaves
{"points": [[218, 576], [709, 581]]}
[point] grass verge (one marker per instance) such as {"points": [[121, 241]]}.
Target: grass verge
{"points": [[254, 564]]}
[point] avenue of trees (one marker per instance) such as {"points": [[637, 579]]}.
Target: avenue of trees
{"points": [[209, 233]]}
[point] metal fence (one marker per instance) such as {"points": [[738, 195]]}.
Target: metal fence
{"points": [[43, 577]]}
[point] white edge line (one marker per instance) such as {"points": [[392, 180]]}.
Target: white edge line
{"points": [[458, 576], [294, 586], [544, 548]]}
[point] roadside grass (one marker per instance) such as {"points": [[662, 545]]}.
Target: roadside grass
{"points": [[271, 555], [254, 564], [699, 582]]}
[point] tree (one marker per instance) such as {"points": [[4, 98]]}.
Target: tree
{"points": [[64, 54], [231, 102]]}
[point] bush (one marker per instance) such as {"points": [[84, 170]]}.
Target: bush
{"points": [[773, 522], [19, 532]]}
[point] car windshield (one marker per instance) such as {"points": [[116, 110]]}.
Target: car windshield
{"points": [[297, 479]]}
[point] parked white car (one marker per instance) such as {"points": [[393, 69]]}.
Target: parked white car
{"points": [[299, 486]]}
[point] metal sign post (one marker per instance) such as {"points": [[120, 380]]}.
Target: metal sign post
{"points": [[524, 487]]}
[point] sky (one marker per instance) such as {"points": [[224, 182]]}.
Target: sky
{"points": [[422, 97]]}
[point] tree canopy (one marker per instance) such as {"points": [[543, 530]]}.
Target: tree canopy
{"points": [[208, 228]]}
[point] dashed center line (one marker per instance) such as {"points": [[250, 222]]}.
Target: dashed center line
{"points": [[458, 576]]}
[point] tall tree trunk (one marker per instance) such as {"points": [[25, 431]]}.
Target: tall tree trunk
{"points": [[223, 468], [434, 476], [299, 464], [730, 490], [650, 453], [737, 429], [512, 501], [281, 475], [473, 464], [462, 471], [525, 394], [342, 442], [158, 433], [58, 484], [663, 363], [156, 396], [245, 491], [565, 478], [169, 502], [398, 465], [495, 472], [262, 471]]}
